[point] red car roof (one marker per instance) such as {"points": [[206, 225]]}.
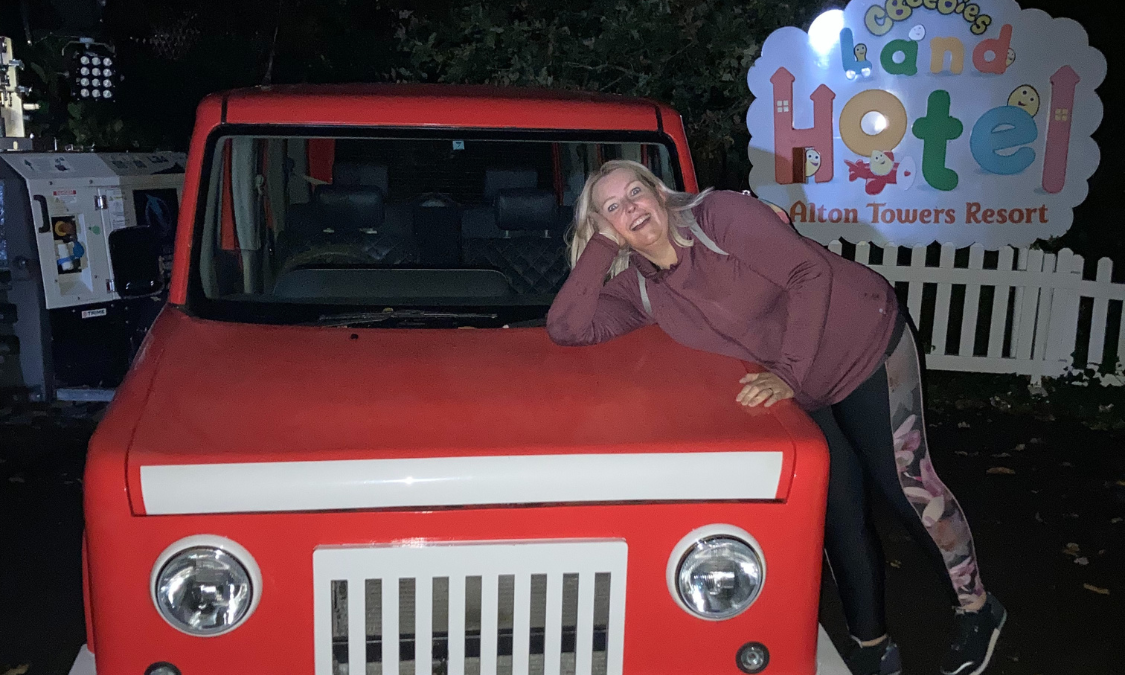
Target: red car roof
{"points": [[421, 105]]}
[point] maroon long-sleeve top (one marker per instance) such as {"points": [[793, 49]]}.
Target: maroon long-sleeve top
{"points": [[818, 321]]}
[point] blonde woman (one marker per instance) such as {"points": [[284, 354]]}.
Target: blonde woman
{"points": [[722, 272]]}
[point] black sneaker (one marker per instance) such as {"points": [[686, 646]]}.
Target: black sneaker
{"points": [[975, 639], [880, 659]]}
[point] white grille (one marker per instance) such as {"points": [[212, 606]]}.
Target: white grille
{"points": [[503, 608]]}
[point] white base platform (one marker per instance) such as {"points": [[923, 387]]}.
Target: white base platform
{"points": [[84, 663], [828, 660]]}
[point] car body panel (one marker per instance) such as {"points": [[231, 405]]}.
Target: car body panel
{"points": [[204, 394]]}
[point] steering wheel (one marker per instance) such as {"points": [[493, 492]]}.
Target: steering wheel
{"points": [[330, 254]]}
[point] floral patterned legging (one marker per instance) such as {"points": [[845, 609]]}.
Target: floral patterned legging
{"points": [[877, 437]]}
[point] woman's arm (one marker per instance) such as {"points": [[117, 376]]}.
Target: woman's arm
{"points": [[588, 311], [752, 232]]}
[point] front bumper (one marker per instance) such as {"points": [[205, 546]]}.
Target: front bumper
{"points": [[828, 661]]}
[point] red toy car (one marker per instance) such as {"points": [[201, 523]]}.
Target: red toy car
{"points": [[348, 439]]}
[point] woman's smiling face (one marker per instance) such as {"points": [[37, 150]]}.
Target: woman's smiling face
{"points": [[634, 209]]}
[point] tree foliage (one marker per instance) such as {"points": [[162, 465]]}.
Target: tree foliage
{"points": [[692, 55], [70, 122]]}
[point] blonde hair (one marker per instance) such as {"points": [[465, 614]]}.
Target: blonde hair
{"points": [[677, 204]]}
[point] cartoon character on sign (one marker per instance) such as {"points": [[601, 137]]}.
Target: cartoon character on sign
{"points": [[882, 171], [882, 163], [1026, 98], [812, 162], [861, 52], [1011, 57]]}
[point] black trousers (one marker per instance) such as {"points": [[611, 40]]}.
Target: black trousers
{"points": [[863, 435]]}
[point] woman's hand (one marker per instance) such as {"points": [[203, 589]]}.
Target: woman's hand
{"points": [[763, 387], [604, 228]]}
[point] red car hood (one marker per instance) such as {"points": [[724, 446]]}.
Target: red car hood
{"points": [[226, 393]]}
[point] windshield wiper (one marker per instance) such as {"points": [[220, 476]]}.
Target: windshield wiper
{"points": [[362, 318]]}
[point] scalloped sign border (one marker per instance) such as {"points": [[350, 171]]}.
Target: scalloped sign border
{"points": [[910, 121]]}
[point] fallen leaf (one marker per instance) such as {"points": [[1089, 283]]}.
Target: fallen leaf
{"points": [[896, 564], [1036, 440], [961, 452], [962, 425], [1082, 561], [16, 479], [1116, 520], [1072, 546], [1038, 517], [1021, 446], [18, 670], [1073, 516], [1001, 469], [1121, 483], [1096, 589], [1003, 454], [1066, 464]]}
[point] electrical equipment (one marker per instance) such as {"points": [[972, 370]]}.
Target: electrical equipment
{"points": [[12, 107], [85, 252]]}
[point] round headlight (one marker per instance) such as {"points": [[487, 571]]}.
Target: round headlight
{"points": [[206, 586], [718, 573]]}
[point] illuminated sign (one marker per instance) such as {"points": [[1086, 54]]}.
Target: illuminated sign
{"points": [[912, 121]]}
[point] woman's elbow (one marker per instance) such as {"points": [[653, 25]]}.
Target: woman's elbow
{"points": [[562, 334]]}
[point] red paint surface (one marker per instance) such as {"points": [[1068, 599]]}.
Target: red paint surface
{"points": [[278, 638], [207, 391], [428, 106], [228, 241], [203, 391], [322, 156], [227, 392], [674, 127], [207, 116]]}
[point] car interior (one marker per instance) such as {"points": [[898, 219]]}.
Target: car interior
{"points": [[397, 220]]}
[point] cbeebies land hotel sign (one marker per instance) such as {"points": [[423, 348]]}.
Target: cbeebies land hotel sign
{"points": [[910, 121]]}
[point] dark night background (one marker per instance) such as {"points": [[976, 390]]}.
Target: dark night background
{"points": [[1042, 479], [692, 54]]}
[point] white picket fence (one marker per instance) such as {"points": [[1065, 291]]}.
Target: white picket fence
{"points": [[1020, 314]]}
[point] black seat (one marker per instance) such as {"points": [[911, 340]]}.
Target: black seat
{"points": [[437, 227], [360, 173], [350, 209], [347, 217], [529, 250], [496, 180]]}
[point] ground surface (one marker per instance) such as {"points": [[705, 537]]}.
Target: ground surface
{"points": [[1045, 496]]}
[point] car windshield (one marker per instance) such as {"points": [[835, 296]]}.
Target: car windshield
{"points": [[419, 229]]}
